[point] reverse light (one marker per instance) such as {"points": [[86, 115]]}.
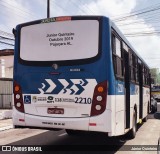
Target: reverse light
{"points": [[98, 107], [18, 96], [99, 98], [18, 104]]}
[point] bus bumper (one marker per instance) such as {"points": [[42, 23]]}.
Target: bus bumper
{"points": [[96, 123]]}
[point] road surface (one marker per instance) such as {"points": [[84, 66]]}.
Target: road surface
{"points": [[147, 134]]}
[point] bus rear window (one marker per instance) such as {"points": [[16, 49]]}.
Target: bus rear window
{"points": [[60, 41]]}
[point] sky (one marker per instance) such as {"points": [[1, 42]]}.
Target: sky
{"points": [[137, 19]]}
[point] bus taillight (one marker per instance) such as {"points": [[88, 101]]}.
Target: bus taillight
{"points": [[99, 99], [18, 99]]}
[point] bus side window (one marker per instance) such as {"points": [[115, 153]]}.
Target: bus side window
{"points": [[143, 75], [137, 75], [146, 76], [117, 56], [133, 66]]}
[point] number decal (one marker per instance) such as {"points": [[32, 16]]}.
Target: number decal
{"points": [[81, 100], [76, 101]]}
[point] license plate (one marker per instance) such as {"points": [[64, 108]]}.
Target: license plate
{"points": [[55, 111]]}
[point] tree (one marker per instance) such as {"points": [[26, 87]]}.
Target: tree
{"points": [[155, 75]]}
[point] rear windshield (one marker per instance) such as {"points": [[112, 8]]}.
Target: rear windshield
{"points": [[60, 41]]}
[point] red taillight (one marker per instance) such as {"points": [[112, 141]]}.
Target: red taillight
{"points": [[99, 99], [22, 120], [18, 99], [92, 124]]}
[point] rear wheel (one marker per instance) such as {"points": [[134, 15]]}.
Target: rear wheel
{"points": [[132, 133], [146, 118], [153, 109]]}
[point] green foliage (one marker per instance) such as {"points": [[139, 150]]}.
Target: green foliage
{"points": [[155, 75]]}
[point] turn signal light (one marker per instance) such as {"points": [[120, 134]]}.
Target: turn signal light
{"points": [[100, 89], [16, 88]]}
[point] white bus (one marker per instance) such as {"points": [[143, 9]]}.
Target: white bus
{"points": [[78, 73]]}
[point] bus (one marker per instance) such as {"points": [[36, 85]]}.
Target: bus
{"points": [[78, 73], [155, 92]]}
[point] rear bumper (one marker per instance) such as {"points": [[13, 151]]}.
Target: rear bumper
{"points": [[87, 124]]}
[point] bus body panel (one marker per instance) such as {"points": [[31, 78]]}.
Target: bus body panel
{"points": [[74, 105], [86, 124], [97, 123], [39, 83], [18, 118]]}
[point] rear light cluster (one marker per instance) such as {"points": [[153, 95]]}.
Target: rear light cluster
{"points": [[99, 99], [18, 100]]}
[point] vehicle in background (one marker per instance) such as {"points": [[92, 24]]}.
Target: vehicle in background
{"points": [[155, 92], [153, 105]]}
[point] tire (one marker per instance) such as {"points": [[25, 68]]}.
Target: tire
{"points": [[132, 133], [145, 119], [154, 109], [16, 126]]}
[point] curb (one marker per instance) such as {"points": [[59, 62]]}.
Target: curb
{"points": [[5, 114], [6, 128]]}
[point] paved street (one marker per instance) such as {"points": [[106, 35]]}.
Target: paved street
{"points": [[90, 65], [147, 135], [5, 124]]}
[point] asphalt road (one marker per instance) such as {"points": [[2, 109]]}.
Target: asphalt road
{"points": [[61, 143], [65, 143]]}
